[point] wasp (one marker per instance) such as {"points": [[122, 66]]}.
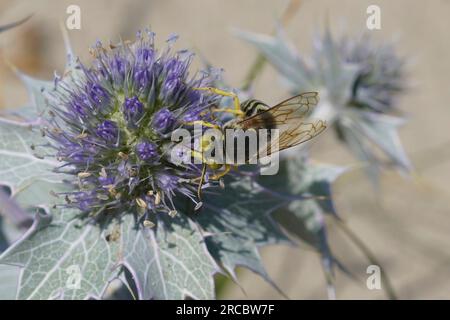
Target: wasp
{"points": [[289, 117]]}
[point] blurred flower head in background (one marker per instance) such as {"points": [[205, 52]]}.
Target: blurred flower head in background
{"points": [[380, 75], [358, 81]]}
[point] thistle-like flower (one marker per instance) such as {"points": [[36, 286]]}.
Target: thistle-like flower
{"points": [[358, 82], [380, 73], [112, 128]]}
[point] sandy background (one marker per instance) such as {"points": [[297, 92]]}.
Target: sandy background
{"points": [[407, 227]]}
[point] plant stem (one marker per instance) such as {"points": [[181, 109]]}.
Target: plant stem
{"points": [[387, 285], [260, 60], [14, 24]]}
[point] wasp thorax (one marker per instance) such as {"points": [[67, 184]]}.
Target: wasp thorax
{"points": [[111, 127]]}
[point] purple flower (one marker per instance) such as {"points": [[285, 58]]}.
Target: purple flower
{"points": [[108, 130], [84, 200], [163, 121], [144, 55], [79, 108], [167, 182], [141, 77], [118, 68], [112, 127], [133, 110], [97, 94], [106, 181], [193, 114], [147, 151]]}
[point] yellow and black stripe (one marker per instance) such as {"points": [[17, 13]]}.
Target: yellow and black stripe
{"points": [[252, 106]]}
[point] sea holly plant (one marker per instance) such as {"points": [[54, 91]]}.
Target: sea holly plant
{"points": [[90, 163], [358, 81]]}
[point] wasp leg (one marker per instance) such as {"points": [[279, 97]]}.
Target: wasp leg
{"points": [[200, 184], [202, 123], [221, 174], [199, 155], [239, 112], [237, 104]]}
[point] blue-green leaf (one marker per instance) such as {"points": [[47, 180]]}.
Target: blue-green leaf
{"points": [[22, 156], [238, 223], [9, 278], [307, 187], [362, 130], [68, 258], [171, 262], [63, 259], [282, 55]]}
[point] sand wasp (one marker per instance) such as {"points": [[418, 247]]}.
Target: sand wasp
{"points": [[288, 116]]}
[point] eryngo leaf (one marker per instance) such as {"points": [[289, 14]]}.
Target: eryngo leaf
{"points": [[9, 208], [62, 259], [67, 258], [282, 55], [238, 223], [22, 154], [9, 277], [364, 130], [307, 187], [171, 262], [381, 130], [37, 90], [13, 220], [308, 181]]}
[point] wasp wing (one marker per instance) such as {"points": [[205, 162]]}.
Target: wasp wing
{"points": [[289, 118], [291, 136], [292, 110]]}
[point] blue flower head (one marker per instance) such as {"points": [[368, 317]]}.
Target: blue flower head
{"points": [[111, 127]]}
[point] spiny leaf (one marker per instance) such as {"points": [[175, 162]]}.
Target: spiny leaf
{"points": [[282, 55], [20, 165], [304, 217], [362, 130], [311, 183], [9, 275], [9, 278], [37, 90], [239, 222], [171, 262], [63, 259], [382, 129], [70, 259]]}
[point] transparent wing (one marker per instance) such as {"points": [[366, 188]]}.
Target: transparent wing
{"points": [[289, 118], [291, 136], [292, 110]]}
